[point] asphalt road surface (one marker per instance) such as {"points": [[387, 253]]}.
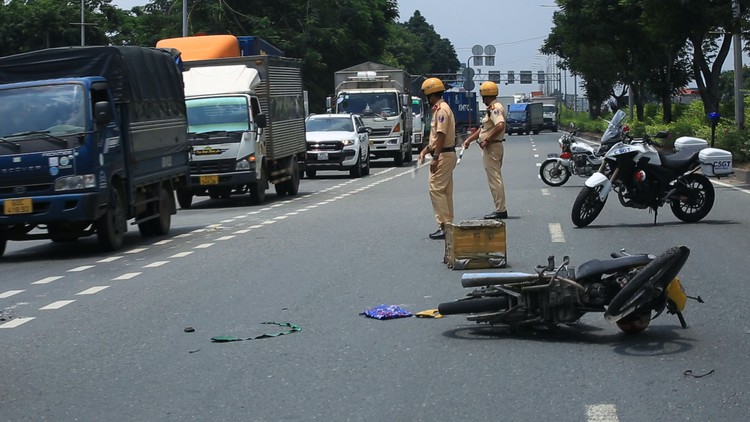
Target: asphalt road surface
{"points": [[92, 336]]}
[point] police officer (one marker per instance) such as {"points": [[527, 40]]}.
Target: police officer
{"points": [[442, 148], [490, 138]]}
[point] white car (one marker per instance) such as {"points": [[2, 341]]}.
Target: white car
{"points": [[337, 142]]}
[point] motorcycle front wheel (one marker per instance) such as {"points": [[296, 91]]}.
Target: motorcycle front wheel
{"points": [[647, 290], [695, 200], [587, 206], [553, 173], [474, 305]]}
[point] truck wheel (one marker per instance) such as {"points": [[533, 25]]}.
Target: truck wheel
{"points": [[3, 241], [398, 160], [111, 227], [159, 226], [311, 173], [258, 189], [408, 155], [184, 198], [289, 187]]}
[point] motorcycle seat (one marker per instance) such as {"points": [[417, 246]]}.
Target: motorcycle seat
{"points": [[596, 267], [679, 161]]}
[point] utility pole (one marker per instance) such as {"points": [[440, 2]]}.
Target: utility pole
{"points": [[739, 101]]}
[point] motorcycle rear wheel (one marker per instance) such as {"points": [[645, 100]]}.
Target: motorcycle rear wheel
{"points": [[474, 305], [553, 173], [696, 208], [587, 206], [648, 289]]}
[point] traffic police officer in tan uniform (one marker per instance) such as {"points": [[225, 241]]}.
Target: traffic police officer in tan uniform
{"points": [[491, 137], [442, 148]]}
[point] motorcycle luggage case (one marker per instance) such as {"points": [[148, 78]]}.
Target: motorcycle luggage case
{"points": [[689, 143], [473, 244], [715, 162]]}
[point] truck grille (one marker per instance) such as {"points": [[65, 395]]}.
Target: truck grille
{"points": [[26, 189], [213, 166], [380, 132]]}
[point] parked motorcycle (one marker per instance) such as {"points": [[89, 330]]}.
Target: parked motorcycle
{"points": [[580, 158], [645, 177], [630, 290]]}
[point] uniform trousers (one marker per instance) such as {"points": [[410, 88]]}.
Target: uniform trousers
{"points": [[492, 158], [441, 188]]}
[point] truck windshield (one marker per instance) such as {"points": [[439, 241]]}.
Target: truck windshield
{"points": [[549, 109], [217, 114], [56, 110], [517, 115], [383, 104], [416, 108]]}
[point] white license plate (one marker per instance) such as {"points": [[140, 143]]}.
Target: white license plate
{"points": [[322, 156]]}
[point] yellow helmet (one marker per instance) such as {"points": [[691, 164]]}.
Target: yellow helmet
{"points": [[432, 85], [488, 89]]}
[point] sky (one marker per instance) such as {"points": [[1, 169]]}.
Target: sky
{"points": [[516, 29]]}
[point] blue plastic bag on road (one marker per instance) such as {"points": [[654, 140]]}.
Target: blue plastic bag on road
{"points": [[386, 312]]}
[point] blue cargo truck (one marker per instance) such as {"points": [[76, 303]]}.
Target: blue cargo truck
{"points": [[524, 118], [91, 137], [465, 109]]}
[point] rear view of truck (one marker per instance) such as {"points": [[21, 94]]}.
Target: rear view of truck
{"points": [[245, 115], [91, 137]]}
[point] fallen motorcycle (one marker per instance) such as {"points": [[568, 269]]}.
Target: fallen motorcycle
{"points": [[579, 158], [630, 290]]}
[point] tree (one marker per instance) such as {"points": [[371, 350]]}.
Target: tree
{"points": [[439, 53]]}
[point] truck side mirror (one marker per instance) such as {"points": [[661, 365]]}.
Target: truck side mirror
{"points": [[261, 120], [329, 104], [102, 113]]}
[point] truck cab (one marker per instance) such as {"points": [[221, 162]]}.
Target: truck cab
{"points": [[381, 95]]}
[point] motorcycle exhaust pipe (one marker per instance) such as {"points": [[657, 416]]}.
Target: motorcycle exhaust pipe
{"points": [[488, 279]]}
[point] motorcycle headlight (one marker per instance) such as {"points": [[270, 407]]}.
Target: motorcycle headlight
{"points": [[84, 181]]}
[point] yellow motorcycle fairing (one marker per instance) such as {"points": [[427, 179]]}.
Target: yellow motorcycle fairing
{"points": [[676, 294]]}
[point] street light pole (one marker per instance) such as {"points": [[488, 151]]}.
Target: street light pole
{"points": [[739, 101], [83, 23]]}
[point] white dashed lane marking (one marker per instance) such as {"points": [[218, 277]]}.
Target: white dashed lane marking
{"points": [[56, 305], [48, 279], [601, 413], [556, 233], [92, 290], [156, 264], [110, 259], [16, 322], [127, 276], [181, 254], [81, 268], [10, 293]]}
